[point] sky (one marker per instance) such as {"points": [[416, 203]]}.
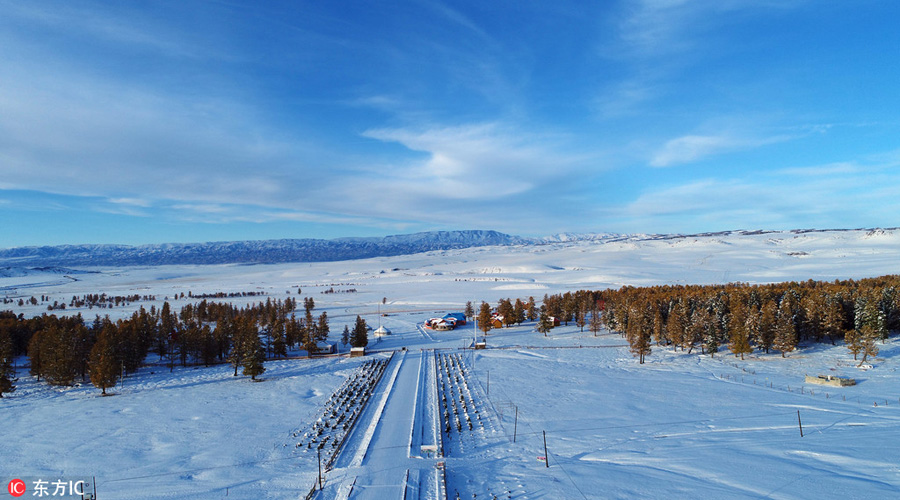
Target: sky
{"points": [[151, 122]]}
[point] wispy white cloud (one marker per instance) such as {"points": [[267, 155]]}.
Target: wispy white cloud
{"points": [[82, 136], [136, 202], [655, 28], [661, 48], [203, 208], [474, 161], [626, 97], [690, 148], [118, 25], [825, 196]]}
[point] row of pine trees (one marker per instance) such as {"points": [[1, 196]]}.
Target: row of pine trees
{"points": [[740, 317], [709, 318], [62, 350], [583, 307]]}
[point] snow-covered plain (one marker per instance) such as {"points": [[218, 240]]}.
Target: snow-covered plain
{"points": [[680, 426]]}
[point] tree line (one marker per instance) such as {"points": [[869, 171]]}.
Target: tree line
{"points": [[739, 317], [577, 306], [757, 317], [64, 349]]}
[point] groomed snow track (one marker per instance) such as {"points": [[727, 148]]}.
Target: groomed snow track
{"points": [[394, 450]]}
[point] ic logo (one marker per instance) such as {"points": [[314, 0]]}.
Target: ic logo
{"points": [[16, 487]]}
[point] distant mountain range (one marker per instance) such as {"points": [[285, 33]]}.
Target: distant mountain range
{"points": [[299, 250], [251, 252]]}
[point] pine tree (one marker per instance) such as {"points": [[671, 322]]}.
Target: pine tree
{"points": [[531, 313], [484, 318], [469, 310], [833, 322], [105, 362], [7, 371], [677, 325], [519, 311], [242, 330], [659, 327], [544, 324], [553, 306], [35, 349], [141, 335], [322, 329], [279, 338], [580, 319], [596, 323], [310, 343], [767, 321], [292, 331], [59, 357], [853, 341], [208, 346], [696, 330], [739, 341], [360, 336], [710, 332], [638, 331], [569, 306], [868, 338], [870, 323], [505, 310], [183, 338], [785, 335], [345, 337], [752, 324], [813, 307], [255, 357], [167, 322]]}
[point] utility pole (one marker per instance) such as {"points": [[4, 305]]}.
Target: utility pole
{"points": [[799, 423], [515, 424], [474, 341], [546, 455]]}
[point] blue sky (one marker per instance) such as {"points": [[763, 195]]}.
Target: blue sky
{"points": [[145, 122]]}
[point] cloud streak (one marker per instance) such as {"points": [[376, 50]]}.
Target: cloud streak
{"points": [[692, 148], [803, 197], [472, 161]]}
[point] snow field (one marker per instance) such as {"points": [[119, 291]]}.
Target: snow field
{"points": [[191, 433], [687, 427], [680, 426]]}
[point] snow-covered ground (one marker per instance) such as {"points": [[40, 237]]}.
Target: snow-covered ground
{"points": [[680, 426]]}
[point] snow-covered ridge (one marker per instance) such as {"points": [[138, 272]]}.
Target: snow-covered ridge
{"points": [[19, 272], [251, 252], [317, 250]]}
